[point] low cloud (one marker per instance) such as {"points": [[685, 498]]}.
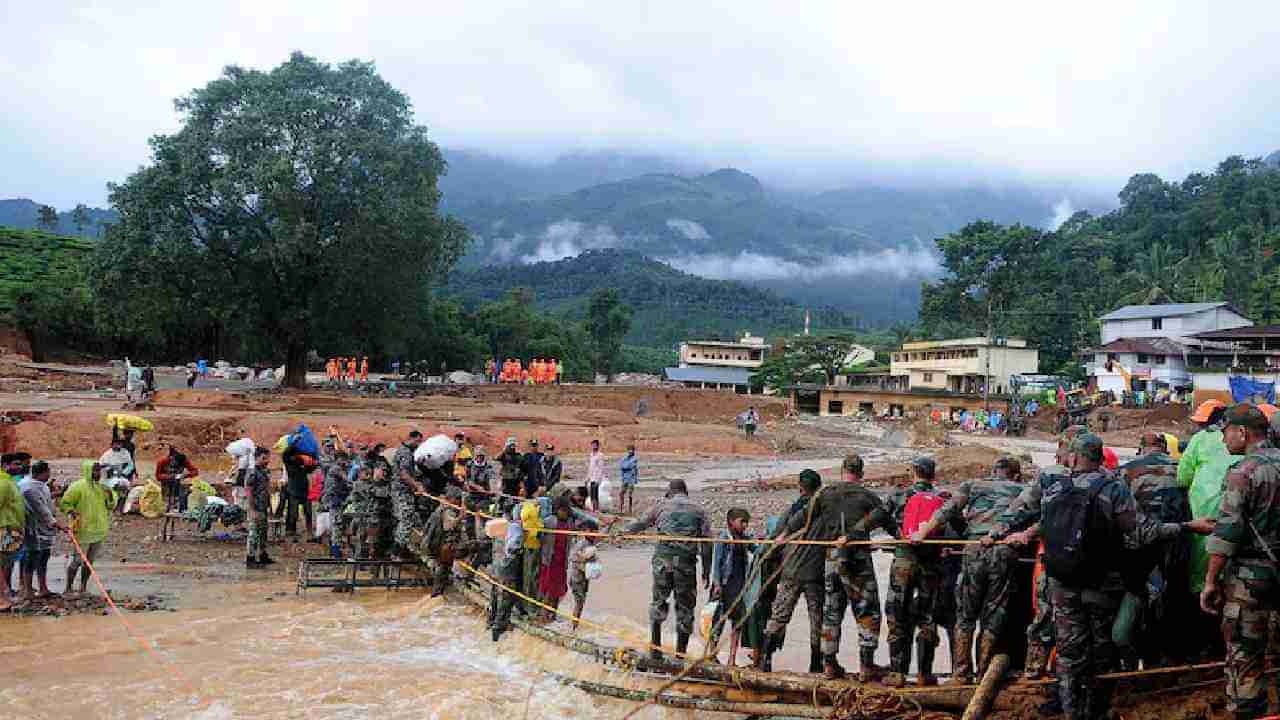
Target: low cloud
{"points": [[569, 238], [689, 229], [901, 263], [1062, 211]]}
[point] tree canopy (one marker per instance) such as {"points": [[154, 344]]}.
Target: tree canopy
{"points": [[1211, 237], [294, 209]]}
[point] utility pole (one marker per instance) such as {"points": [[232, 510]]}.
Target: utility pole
{"points": [[986, 380]]}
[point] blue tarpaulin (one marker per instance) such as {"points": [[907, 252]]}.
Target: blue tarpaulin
{"points": [[1245, 389]]}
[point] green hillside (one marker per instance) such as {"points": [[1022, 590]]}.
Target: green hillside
{"points": [[28, 254], [669, 305]]}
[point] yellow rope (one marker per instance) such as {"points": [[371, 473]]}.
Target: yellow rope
{"points": [[652, 537]]}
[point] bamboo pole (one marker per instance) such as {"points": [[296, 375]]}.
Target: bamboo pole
{"points": [[690, 703]]}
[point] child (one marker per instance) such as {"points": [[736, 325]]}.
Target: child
{"points": [[582, 552], [729, 568], [629, 468]]}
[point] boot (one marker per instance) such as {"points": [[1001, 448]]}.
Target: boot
{"points": [[986, 650], [263, 560], [655, 639], [961, 657], [250, 563], [682, 642], [895, 679], [1036, 656], [868, 671], [815, 660], [924, 657], [764, 655], [899, 661], [831, 669]]}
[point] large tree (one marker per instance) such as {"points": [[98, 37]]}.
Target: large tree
{"points": [[293, 206], [47, 218], [608, 321]]}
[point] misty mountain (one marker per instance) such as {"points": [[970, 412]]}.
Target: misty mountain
{"points": [[669, 305], [24, 214]]}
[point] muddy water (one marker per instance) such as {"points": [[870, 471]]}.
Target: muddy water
{"points": [[255, 650], [384, 655]]}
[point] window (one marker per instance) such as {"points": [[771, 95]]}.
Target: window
{"points": [[1157, 323], [1112, 357], [1157, 359], [1143, 358], [928, 377]]}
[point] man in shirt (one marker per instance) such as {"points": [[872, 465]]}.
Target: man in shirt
{"points": [[336, 490], [117, 467], [595, 475], [914, 584], [171, 470], [512, 462], [532, 471], [629, 468], [42, 529]]}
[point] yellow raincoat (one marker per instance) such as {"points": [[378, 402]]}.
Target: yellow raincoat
{"points": [[92, 503]]}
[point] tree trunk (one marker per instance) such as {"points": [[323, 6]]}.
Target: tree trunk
{"points": [[295, 365]]}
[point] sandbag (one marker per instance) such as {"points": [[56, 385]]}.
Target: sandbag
{"points": [[605, 493], [282, 444], [324, 523], [435, 451], [593, 570], [240, 448], [129, 422], [151, 503], [202, 486], [707, 618], [496, 528]]}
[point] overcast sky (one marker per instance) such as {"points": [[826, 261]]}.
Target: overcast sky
{"points": [[1080, 93]]}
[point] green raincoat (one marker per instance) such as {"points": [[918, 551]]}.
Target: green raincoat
{"points": [[1203, 468], [92, 502], [13, 510]]}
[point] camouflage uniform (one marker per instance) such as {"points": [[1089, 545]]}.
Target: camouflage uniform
{"points": [[849, 579], [986, 579], [1084, 614], [803, 569], [1248, 533], [675, 569], [443, 539], [480, 475], [511, 462], [1023, 512], [258, 484], [336, 491], [915, 579], [1161, 565], [370, 511]]}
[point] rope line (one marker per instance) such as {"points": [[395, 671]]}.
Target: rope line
{"points": [[655, 537], [142, 640]]}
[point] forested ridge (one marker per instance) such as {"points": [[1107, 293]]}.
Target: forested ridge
{"points": [[1209, 237], [669, 305]]}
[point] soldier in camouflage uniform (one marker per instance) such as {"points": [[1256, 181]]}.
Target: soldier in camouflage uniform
{"points": [[1245, 543], [442, 541], [1084, 614], [802, 574], [849, 512], [1025, 512], [370, 511], [914, 583], [334, 499], [675, 564], [986, 581], [1152, 478]]}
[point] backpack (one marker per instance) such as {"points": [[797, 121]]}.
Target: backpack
{"points": [[1076, 550], [920, 507]]}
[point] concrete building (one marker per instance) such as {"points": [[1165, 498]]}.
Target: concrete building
{"points": [[1252, 353], [1153, 344], [962, 366], [718, 364], [1172, 320]]}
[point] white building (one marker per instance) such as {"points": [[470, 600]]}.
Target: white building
{"points": [[718, 364], [1151, 344], [960, 365], [1173, 320]]}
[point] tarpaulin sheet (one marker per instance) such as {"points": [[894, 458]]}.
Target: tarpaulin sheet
{"points": [[1245, 389]]}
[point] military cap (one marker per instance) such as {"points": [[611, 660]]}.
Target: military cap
{"points": [[1146, 461], [1070, 433], [1088, 445], [925, 465], [1247, 415]]}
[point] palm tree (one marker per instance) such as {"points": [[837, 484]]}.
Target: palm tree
{"points": [[1153, 277]]}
